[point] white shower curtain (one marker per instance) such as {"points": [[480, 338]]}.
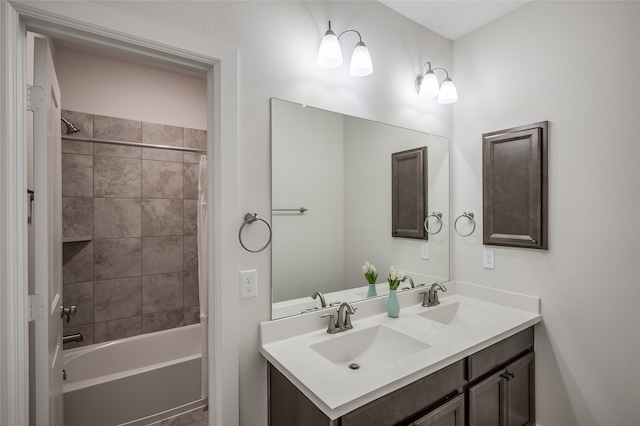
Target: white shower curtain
{"points": [[203, 232]]}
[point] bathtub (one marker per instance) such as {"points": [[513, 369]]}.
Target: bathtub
{"points": [[135, 381]]}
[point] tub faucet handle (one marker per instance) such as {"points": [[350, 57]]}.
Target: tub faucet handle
{"points": [[71, 310]]}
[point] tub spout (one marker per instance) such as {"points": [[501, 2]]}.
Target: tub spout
{"points": [[76, 337]]}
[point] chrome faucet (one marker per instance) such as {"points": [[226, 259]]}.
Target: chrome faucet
{"points": [[343, 321], [411, 281], [323, 304], [431, 296], [76, 337]]}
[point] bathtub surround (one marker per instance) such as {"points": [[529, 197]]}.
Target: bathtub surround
{"points": [[117, 382], [135, 268]]}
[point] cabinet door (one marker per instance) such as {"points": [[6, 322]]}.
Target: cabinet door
{"points": [[485, 402], [520, 399], [505, 398], [450, 413]]}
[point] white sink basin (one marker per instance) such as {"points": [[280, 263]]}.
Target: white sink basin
{"points": [[462, 314], [369, 347]]}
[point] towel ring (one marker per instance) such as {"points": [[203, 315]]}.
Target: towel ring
{"points": [[250, 218], [468, 215], [438, 216]]}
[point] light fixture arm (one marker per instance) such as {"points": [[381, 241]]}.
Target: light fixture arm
{"points": [[347, 31]]}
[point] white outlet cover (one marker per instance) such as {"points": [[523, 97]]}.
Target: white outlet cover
{"points": [[424, 251], [248, 283], [488, 258]]}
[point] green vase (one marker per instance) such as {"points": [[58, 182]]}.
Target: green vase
{"points": [[393, 306], [372, 291]]}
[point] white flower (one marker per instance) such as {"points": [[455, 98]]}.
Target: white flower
{"points": [[368, 268]]}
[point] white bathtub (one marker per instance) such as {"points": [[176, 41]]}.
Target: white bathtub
{"points": [[134, 381]]}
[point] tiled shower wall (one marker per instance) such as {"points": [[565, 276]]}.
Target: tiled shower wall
{"points": [[133, 210]]}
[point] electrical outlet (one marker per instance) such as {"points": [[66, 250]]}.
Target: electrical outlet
{"points": [[424, 251], [488, 258], [248, 283]]}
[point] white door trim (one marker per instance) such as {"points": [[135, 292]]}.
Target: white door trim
{"points": [[98, 24]]}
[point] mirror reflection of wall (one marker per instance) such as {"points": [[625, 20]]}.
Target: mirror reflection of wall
{"points": [[339, 168]]}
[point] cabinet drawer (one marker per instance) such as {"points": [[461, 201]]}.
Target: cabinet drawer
{"points": [[451, 413], [408, 402], [498, 354]]}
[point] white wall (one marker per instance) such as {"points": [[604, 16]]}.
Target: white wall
{"points": [[117, 88], [576, 64], [277, 47]]}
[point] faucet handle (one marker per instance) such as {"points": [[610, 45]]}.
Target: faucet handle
{"points": [[425, 298], [332, 328], [347, 318]]}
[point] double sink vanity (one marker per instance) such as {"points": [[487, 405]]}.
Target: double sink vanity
{"points": [[468, 360]]}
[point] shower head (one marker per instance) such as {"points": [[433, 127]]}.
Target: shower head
{"points": [[71, 129]]}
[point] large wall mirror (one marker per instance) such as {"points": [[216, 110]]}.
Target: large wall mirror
{"points": [[331, 200]]}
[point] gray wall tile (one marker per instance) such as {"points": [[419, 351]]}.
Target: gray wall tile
{"points": [[162, 217], [162, 292], [162, 134], [115, 299], [117, 329], [192, 315], [117, 129], [72, 147], [119, 151], [117, 258], [81, 295], [191, 181], [190, 217], [104, 277], [162, 255], [117, 217], [77, 262], [161, 179], [162, 320], [191, 289], [195, 138], [77, 175], [190, 253], [77, 217], [117, 177]]}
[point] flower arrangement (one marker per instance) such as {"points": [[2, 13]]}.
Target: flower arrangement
{"points": [[394, 278], [370, 273]]}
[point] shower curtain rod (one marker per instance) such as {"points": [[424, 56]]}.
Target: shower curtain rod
{"points": [[136, 144]]}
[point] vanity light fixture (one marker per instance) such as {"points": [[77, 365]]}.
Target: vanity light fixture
{"points": [[330, 54], [428, 86]]}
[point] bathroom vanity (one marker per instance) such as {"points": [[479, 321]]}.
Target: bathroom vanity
{"points": [[468, 361]]}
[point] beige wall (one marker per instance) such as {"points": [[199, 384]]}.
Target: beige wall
{"points": [[576, 64]]}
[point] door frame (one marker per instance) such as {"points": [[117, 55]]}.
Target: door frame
{"points": [[92, 23]]}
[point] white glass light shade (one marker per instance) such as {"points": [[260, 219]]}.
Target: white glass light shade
{"points": [[361, 65], [429, 86], [329, 53], [448, 92]]}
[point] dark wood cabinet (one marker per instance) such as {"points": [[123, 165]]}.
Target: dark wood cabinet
{"points": [[409, 193], [451, 413], [515, 188], [494, 386], [505, 398]]}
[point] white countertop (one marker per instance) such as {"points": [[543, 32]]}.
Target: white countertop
{"points": [[337, 390]]}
